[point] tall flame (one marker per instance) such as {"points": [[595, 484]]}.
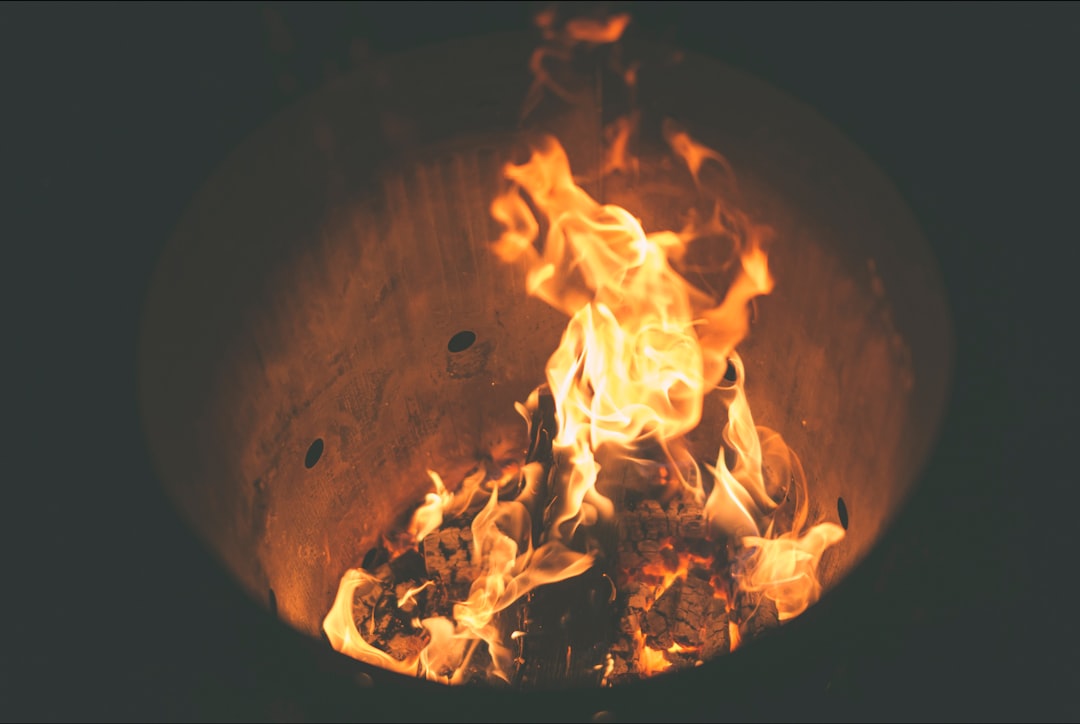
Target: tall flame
{"points": [[642, 349]]}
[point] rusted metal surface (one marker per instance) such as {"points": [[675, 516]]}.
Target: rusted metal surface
{"points": [[313, 287]]}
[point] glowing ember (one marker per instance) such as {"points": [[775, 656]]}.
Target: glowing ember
{"points": [[699, 565]]}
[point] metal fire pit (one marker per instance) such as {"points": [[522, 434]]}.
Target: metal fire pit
{"points": [[302, 360]]}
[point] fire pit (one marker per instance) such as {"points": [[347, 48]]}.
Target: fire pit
{"points": [[330, 323]]}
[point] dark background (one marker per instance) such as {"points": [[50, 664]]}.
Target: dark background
{"points": [[115, 114]]}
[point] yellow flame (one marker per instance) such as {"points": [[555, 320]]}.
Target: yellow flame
{"points": [[639, 354], [410, 595], [340, 627], [785, 568]]}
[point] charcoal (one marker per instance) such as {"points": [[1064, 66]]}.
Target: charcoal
{"points": [[715, 635], [447, 557], [408, 566], [655, 523], [681, 615]]}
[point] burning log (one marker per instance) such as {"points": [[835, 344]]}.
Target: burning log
{"points": [[448, 561], [644, 530], [671, 614], [688, 616], [755, 615]]}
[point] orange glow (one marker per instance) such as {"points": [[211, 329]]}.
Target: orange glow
{"points": [[597, 32]]}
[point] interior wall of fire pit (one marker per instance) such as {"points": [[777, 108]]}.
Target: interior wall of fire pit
{"points": [[303, 358]]}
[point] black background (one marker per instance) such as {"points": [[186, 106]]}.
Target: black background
{"points": [[115, 114]]}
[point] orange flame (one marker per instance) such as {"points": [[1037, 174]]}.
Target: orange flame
{"points": [[558, 47], [638, 356], [667, 575], [690, 151], [650, 661]]}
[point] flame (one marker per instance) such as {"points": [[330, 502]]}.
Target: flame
{"points": [[341, 629], [650, 661], [667, 575], [785, 568], [617, 156], [507, 574], [641, 350], [733, 635], [642, 347], [409, 596], [558, 49], [429, 516], [694, 154]]}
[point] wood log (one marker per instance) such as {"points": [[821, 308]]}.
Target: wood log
{"points": [[716, 638], [755, 614], [568, 631], [649, 521], [687, 614]]}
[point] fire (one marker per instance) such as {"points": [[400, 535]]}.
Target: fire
{"points": [[785, 568], [641, 350], [733, 634], [667, 573], [652, 661]]}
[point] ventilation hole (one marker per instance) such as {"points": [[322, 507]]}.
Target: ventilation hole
{"points": [[272, 601], [364, 680], [604, 716], [841, 509], [461, 341], [731, 375], [313, 453]]}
